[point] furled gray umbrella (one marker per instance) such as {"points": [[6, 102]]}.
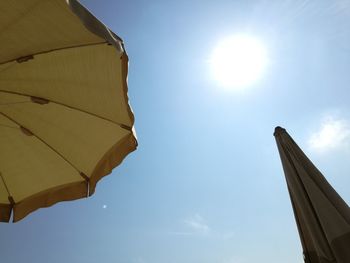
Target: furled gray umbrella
{"points": [[322, 217]]}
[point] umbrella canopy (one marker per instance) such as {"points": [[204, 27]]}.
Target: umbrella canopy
{"points": [[65, 121], [322, 217]]}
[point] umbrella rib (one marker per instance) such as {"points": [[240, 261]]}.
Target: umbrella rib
{"points": [[307, 196], [44, 142], [302, 234], [7, 189], [320, 188], [123, 126], [30, 56]]}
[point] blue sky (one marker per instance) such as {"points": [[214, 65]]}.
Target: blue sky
{"points": [[206, 184]]}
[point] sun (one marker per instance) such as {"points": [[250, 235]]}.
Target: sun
{"points": [[238, 61]]}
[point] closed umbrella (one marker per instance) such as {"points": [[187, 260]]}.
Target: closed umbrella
{"points": [[322, 217], [65, 121]]}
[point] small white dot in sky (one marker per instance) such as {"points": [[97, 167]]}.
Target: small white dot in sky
{"points": [[104, 206]]}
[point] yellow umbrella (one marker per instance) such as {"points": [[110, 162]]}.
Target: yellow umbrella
{"points": [[65, 121], [322, 216]]}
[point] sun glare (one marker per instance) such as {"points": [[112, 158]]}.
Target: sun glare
{"points": [[238, 61]]}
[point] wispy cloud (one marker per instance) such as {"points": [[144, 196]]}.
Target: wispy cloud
{"points": [[341, 6], [234, 259], [197, 224], [333, 133], [193, 226], [183, 233], [139, 260]]}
